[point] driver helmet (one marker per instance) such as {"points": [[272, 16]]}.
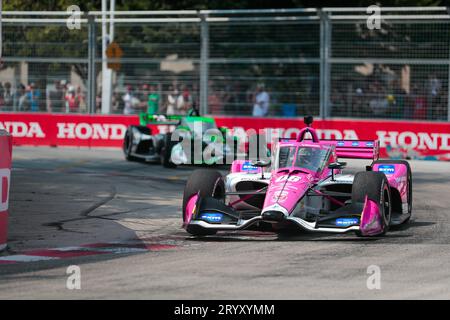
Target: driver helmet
{"points": [[305, 152], [307, 155]]}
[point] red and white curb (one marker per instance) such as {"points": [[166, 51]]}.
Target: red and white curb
{"points": [[84, 250]]}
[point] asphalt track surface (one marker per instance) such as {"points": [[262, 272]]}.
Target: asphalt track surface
{"points": [[64, 197]]}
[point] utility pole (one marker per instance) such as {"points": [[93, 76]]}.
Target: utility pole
{"points": [[112, 7], [111, 21], [91, 54], [106, 72], [1, 31], [204, 65]]}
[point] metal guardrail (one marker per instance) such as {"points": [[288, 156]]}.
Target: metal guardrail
{"points": [[304, 57]]}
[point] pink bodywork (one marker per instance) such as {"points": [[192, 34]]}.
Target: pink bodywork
{"points": [[288, 185], [371, 220], [355, 149], [397, 179], [285, 190], [350, 149], [190, 208]]}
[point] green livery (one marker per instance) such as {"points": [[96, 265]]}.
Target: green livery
{"points": [[141, 144]]}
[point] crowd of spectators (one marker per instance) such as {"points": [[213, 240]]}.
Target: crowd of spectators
{"points": [[234, 99], [61, 97], [422, 101], [64, 97], [153, 99], [179, 99]]}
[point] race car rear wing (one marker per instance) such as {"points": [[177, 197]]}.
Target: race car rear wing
{"points": [[351, 149], [158, 119], [355, 149]]}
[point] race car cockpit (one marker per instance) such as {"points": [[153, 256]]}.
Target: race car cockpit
{"points": [[311, 157]]}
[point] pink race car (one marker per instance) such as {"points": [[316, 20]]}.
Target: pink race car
{"points": [[303, 187]]}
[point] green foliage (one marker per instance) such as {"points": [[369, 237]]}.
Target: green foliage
{"points": [[53, 5], [153, 41]]}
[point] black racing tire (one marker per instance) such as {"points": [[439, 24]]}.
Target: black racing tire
{"points": [[209, 183], [128, 141], [409, 179], [375, 186], [166, 152], [126, 146]]}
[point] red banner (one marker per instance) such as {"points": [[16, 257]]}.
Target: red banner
{"points": [[398, 139], [39, 129]]}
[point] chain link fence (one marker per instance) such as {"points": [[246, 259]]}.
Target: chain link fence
{"points": [[281, 63]]}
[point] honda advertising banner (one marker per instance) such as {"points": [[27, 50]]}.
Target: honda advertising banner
{"points": [[398, 139]]}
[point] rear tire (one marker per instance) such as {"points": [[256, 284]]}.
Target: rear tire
{"points": [[209, 183], [166, 152], [375, 186], [129, 140]]}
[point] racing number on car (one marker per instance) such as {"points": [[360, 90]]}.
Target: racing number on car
{"points": [[290, 179]]}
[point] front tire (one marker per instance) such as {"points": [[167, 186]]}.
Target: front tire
{"points": [[208, 183], [409, 181], [375, 186]]}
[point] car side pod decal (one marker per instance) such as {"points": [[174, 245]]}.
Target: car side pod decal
{"points": [[244, 166], [386, 169], [212, 217], [346, 222], [371, 223], [191, 206]]}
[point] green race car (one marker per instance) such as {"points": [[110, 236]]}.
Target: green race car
{"points": [[182, 139]]}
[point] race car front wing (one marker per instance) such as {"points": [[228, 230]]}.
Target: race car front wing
{"points": [[212, 214]]}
